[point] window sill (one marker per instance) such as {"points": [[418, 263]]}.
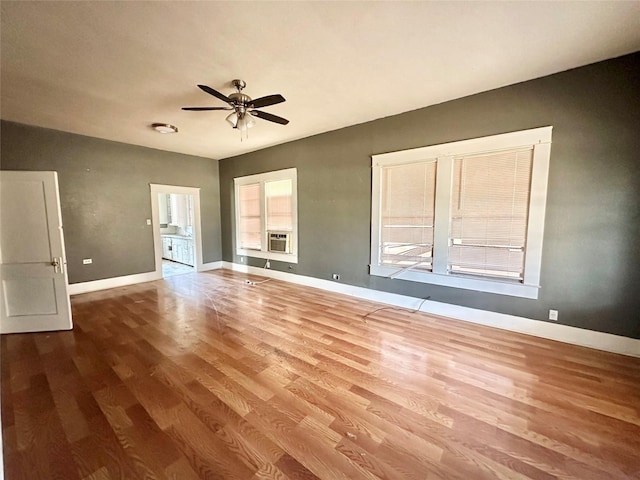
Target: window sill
{"points": [[279, 257], [458, 281]]}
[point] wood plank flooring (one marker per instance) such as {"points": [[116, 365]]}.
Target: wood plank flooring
{"points": [[202, 376]]}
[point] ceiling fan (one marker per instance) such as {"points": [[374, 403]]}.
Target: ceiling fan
{"points": [[243, 107]]}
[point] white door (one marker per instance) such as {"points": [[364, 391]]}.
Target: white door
{"points": [[33, 274]]}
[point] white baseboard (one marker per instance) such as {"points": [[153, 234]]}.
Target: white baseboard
{"points": [[563, 333], [211, 266], [95, 285], [553, 331]]}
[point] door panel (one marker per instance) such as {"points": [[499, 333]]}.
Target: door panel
{"points": [[24, 205], [22, 303], [33, 268]]}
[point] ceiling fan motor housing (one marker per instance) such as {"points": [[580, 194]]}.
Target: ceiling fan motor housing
{"points": [[240, 98]]}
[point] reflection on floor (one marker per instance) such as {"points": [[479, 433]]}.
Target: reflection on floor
{"points": [[170, 268]]}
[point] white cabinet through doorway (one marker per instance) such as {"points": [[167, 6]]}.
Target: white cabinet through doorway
{"points": [[178, 249]]}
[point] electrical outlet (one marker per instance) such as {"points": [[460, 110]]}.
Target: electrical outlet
{"points": [[553, 315], [268, 264], [87, 261], [241, 259], [148, 221], [335, 276]]}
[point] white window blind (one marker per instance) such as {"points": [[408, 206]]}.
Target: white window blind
{"points": [[489, 214], [408, 198], [279, 205], [249, 229]]}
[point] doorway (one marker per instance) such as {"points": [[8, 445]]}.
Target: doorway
{"points": [[176, 224], [175, 212]]}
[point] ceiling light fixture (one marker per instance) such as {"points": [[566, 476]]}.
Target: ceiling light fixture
{"points": [[241, 121], [164, 128], [232, 119]]}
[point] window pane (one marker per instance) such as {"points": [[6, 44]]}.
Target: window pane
{"points": [[408, 201], [489, 213], [279, 205], [250, 236]]}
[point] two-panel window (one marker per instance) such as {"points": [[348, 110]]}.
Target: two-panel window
{"points": [[266, 215], [467, 214]]}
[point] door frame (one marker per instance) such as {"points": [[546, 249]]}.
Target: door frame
{"points": [[156, 189]]}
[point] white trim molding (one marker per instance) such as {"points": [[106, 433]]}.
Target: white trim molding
{"points": [[211, 266], [262, 179], [537, 140], [154, 190], [104, 284], [552, 331]]}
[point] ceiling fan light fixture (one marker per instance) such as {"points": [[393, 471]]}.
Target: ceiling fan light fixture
{"points": [[164, 128], [232, 119], [246, 121]]}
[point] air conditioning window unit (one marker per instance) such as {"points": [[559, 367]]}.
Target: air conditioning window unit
{"points": [[280, 242]]}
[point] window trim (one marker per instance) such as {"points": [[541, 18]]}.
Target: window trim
{"points": [[444, 154], [262, 178]]}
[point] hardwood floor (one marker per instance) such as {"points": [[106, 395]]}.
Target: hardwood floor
{"points": [[204, 376]]}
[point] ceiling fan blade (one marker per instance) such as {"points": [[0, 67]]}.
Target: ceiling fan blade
{"points": [[215, 93], [266, 101], [269, 117], [201, 109]]}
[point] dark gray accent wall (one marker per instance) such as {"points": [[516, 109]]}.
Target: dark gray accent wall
{"points": [[105, 197], [591, 253]]}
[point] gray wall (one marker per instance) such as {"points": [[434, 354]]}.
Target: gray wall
{"points": [[591, 255], [105, 198]]}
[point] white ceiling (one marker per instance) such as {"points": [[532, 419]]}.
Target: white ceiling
{"points": [[110, 69]]}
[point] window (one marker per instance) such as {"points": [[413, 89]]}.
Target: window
{"points": [[249, 217], [266, 215], [408, 208], [489, 212], [467, 214], [279, 209]]}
